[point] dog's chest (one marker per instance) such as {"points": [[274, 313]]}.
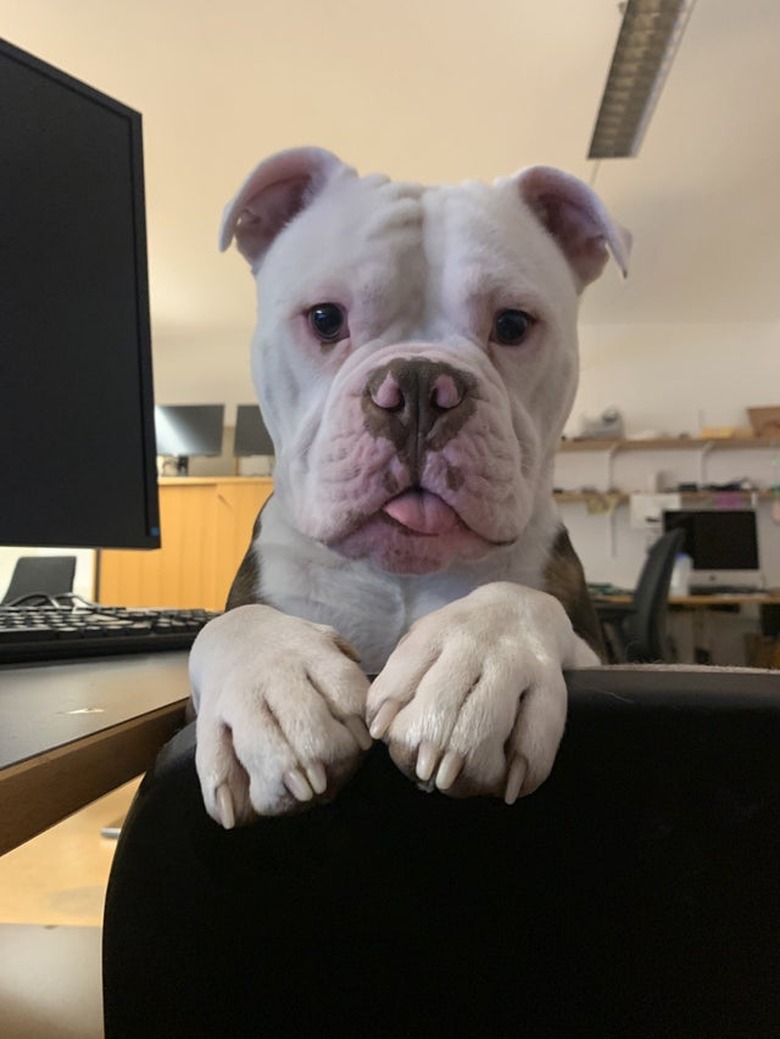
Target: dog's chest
{"points": [[368, 607]]}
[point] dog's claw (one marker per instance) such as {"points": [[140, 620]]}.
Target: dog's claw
{"points": [[317, 777], [514, 783], [449, 770], [227, 815], [383, 718], [298, 785], [427, 758], [357, 728]]}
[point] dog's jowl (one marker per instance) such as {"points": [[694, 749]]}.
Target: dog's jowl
{"points": [[415, 359]]}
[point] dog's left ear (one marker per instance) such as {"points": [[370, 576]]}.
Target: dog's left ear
{"points": [[273, 193], [577, 219]]}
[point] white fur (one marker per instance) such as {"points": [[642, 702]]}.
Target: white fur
{"points": [[468, 647]]}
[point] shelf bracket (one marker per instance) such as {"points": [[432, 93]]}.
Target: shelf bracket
{"points": [[610, 459], [704, 454]]}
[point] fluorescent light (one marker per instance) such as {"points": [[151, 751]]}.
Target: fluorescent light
{"points": [[649, 37]]}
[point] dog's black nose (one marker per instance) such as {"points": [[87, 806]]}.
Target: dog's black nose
{"points": [[418, 404]]}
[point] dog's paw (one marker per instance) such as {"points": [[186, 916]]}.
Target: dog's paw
{"points": [[473, 698], [281, 703]]}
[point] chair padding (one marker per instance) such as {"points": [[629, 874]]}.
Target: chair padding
{"points": [[634, 894]]}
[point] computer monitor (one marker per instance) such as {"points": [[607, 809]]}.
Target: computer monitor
{"points": [[77, 452], [252, 438], [184, 430], [722, 544]]}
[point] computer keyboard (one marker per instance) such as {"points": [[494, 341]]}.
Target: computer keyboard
{"points": [[723, 589], [43, 629]]}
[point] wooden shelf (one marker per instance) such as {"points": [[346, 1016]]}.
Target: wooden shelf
{"points": [[670, 444], [622, 497], [619, 497], [704, 446]]}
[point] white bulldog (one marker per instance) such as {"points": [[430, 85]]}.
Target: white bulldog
{"points": [[415, 359]]}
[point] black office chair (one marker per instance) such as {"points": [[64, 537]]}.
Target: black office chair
{"points": [[635, 894], [41, 575], [635, 632]]}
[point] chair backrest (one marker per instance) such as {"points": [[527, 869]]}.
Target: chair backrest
{"points": [[41, 575], [646, 627], [633, 894]]}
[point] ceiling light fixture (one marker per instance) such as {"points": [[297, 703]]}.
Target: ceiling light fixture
{"points": [[650, 34]]}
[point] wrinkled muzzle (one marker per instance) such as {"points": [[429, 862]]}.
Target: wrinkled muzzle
{"points": [[415, 464]]}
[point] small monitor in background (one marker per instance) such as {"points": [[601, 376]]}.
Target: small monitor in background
{"points": [[722, 544], [252, 438], [184, 430]]}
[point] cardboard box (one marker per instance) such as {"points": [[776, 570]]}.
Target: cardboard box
{"points": [[762, 651]]}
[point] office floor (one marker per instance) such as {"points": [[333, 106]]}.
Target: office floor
{"points": [[51, 908]]}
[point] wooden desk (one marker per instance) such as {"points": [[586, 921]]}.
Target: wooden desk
{"points": [[694, 602], [697, 602], [697, 607], [71, 732]]}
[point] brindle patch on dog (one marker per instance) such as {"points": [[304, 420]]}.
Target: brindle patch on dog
{"points": [[245, 588], [565, 579]]}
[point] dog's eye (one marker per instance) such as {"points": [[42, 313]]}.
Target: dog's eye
{"points": [[511, 327], [328, 322]]}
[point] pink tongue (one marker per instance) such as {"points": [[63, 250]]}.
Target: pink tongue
{"points": [[422, 512]]}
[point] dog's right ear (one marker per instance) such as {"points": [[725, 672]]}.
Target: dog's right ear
{"points": [[273, 193]]}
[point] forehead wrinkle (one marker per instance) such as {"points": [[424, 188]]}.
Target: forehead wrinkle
{"points": [[499, 284], [496, 255], [389, 284], [403, 214], [474, 280], [372, 256]]}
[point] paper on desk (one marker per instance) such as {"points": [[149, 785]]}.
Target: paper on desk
{"points": [[647, 509]]}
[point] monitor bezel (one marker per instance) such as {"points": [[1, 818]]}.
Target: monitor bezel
{"points": [[149, 538], [709, 574], [217, 413]]}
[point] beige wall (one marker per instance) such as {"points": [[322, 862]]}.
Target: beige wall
{"points": [[674, 378]]}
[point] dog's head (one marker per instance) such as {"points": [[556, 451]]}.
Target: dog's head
{"points": [[415, 355]]}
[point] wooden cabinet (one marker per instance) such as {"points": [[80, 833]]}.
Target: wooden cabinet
{"points": [[206, 526]]}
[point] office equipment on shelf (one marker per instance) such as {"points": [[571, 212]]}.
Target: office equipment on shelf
{"points": [[723, 546], [252, 438], [635, 632], [184, 430], [50, 575], [76, 398], [55, 628], [608, 425]]}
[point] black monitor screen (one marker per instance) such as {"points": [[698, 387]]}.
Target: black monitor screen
{"points": [[252, 438], [718, 539], [189, 429], [76, 401]]}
